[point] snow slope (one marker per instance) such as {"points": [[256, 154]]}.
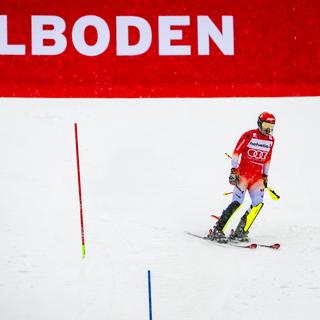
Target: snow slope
{"points": [[151, 170]]}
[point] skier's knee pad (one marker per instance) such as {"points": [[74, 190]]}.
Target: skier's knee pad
{"points": [[251, 216], [227, 214]]}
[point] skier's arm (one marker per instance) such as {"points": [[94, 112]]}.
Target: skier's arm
{"points": [[235, 160], [238, 150], [266, 168], [266, 165]]}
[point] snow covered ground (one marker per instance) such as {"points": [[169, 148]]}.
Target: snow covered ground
{"points": [[151, 170]]}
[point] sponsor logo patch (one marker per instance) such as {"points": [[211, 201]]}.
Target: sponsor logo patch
{"points": [[259, 144]]}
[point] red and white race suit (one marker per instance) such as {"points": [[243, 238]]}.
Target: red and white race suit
{"points": [[254, 150]]}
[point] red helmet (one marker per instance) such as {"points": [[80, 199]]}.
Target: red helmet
{"points": [[266, 122]]}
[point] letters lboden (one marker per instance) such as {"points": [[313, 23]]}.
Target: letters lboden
{"points": [[206, 31]]}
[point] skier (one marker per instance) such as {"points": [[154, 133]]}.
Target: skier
{"points": [[255, 149]]}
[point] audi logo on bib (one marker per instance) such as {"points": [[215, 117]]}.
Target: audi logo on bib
{"points": [[257, 154]]}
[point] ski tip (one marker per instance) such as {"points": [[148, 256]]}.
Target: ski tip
{"points": [[252, 246], [275, 246]]}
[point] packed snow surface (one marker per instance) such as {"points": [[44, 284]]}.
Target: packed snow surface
{"points": [[151, 170]]}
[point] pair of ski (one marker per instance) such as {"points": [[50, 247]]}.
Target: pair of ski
{"points": [[274, 246]]}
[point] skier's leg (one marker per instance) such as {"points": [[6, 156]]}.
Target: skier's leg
{"points": [[239, 191], [256, 192], [242, 230], [237, 200], [252, 214], [227, 214], [217, 233]]}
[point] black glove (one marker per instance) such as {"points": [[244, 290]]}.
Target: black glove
{"points": [[234, 177], [265, 180]]}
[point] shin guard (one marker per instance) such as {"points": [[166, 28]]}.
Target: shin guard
{"points": [[251, 216], [227, 214]]}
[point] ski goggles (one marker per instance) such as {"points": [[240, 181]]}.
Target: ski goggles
{"points": [[267, 127]]}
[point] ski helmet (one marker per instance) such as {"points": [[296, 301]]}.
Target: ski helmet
{"points": [[266, 122]]}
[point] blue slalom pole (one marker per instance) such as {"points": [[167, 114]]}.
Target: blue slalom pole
{"points": [[149, 293]]}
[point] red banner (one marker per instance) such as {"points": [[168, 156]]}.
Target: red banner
{"points": [[162, 49]]}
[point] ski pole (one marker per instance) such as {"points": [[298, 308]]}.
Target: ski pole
{"points": [[227, 193], [228, 155], [272, 193]]}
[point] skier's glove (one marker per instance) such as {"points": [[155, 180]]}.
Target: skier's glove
{"points": [[265, 180], [234, 177]]}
